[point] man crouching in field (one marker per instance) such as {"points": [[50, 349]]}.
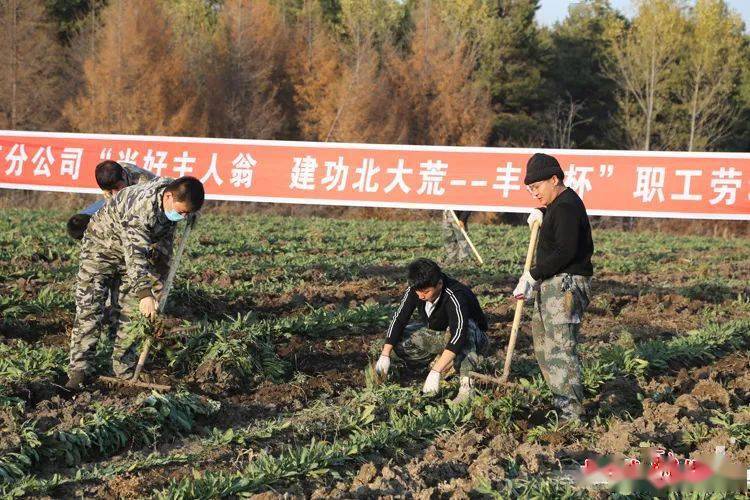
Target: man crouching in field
{"points": [[560, 281], [451, 323], [130, 237], [111, 177]]}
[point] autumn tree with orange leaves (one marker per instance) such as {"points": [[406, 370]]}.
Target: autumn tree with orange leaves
{"points": [[137, 80], [479, 72]]}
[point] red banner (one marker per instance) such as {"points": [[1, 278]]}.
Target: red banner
{"points": [[625, 183]]}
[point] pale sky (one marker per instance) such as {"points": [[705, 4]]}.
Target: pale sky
{"points": [[556, 10]]}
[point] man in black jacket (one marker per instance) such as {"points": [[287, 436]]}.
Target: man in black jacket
{"points": [[560, 281], [451, 323], [111, 177]]}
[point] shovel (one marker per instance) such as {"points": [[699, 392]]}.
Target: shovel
{"points": [[134, 382]]}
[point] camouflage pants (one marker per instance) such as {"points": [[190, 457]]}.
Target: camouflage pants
{"points": [[99, 274], [113, 311], [558, 309], [456, 246], [419, 345]]}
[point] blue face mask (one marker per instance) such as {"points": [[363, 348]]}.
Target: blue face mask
{"points": [[174, 215]]}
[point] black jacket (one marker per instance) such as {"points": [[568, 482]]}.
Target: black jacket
{"points": [[565, 244], [455, 307]]}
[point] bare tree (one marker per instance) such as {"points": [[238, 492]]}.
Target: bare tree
{"points": [[642, 59], [562, 120], [712, 67]]}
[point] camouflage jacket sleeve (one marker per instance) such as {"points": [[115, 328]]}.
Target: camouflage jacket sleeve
{"points": [[93, 208], [136, 175], [138, 249], [162, 249]]}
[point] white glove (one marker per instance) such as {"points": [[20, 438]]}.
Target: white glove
{"points": [[535, 215], [432, 384], [381, 367], [526, 286]]}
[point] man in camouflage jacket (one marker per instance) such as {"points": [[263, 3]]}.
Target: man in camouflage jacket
{"points": [[455, 245], [130, 237], [111, 177], [560, 281]]}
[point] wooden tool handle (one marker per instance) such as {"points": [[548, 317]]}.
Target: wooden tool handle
{"points": [[165, 293], [133, 383], [519, 304], [466, 237], [142, 359]]}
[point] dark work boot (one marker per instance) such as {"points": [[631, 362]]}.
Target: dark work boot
{"points": [[76, 380]]}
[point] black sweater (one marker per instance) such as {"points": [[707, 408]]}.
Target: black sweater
{"points": [[455, 307], [565, 244]]}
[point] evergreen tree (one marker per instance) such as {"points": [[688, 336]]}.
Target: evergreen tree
{"points": [[513, 68], [584, 102]]}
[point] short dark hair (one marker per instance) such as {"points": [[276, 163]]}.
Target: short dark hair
{"points": [[188, 190], [108, 174], [424, 273], [77, 225]]}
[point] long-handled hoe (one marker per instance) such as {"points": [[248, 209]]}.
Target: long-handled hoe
{"points": [[516, 320], [460, 226], [134, 382]]}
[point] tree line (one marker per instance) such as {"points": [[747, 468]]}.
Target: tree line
{"points": [[675, 76]]}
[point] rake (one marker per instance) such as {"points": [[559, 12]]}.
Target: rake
{"points": [[134, 382]]}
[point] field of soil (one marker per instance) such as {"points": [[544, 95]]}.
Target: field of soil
{"points": [[269, 329]]}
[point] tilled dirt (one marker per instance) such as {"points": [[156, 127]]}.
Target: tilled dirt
{"points": [[451, 465], [625, 414]]}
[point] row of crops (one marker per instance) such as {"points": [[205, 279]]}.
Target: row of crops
{"points": [[270, 328]]}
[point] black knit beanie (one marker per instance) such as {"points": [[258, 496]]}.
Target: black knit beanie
{"points": [[542, 167]]}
